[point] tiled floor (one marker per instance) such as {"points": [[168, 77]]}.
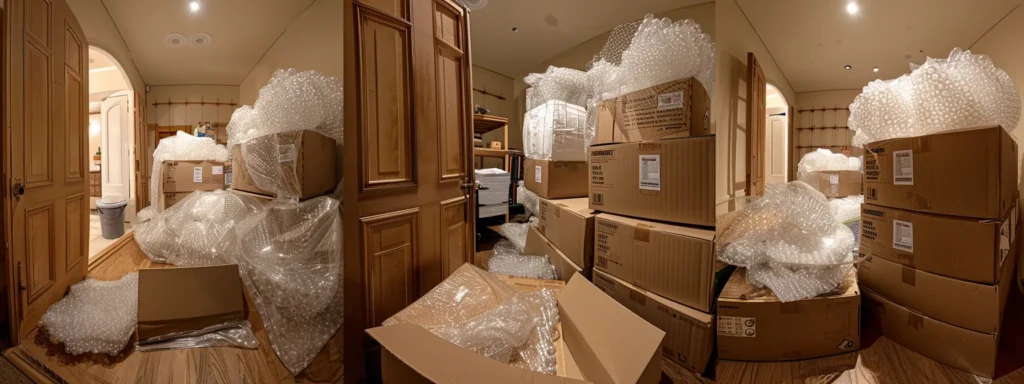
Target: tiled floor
{"points": [[96, 241]]}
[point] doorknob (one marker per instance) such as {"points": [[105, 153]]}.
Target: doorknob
{"points": [[17, 189]]}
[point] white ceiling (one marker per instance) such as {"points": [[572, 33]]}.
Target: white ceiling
{"points": [[549, 27], [241, 30], [811, 40]]}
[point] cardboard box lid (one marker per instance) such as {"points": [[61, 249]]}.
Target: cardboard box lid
{"points": [[738, 289], [173, 295], [579, 206], [697, 233]]}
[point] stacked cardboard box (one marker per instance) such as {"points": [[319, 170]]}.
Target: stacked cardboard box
{"points": [[939, 228], [309, 155], [179, 178]]}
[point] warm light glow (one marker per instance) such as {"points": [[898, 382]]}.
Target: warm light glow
{"points": [[875, 69], [193, 6], [852, 8], [102, 69], [94, 128]]}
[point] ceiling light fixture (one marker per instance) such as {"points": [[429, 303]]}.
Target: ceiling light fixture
{"points": [[875, 69], [852, 8], [193, 6], [201, 39], [515, 29], [848, 67]]}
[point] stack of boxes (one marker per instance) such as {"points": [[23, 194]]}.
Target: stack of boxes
{"points": [[310, 155], [939, 226], [179, 178]]}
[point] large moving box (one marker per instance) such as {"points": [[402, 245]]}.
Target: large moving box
{"points": [[179, 178], [669, 180], [556, 179], [670, 260], [309, 155], [835, 184], [753, 325], [966, 304], [173, 300], [956, 247], [616, 346], [538, 245], [689, 333], [675, 109], [569, 225], [971, 351], [970, 173]]}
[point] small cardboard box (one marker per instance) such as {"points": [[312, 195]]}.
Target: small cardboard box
{"points": [[616, 347], [970, 173], [173, 300], [569, 225], [670, 260], [678, 108], [753, 325], [669, 180], [957, 247], [689, 333], [538, 245], [961, 348], [179, 178], [556, 179], [309, 155], [966, 304], [834, 184]]}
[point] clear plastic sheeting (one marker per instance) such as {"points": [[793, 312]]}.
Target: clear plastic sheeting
{"points": [[516, 232], [237, 335], [961, 91], [506, 260], [529, 200], [95, 317], [181, 147], [790, 241], [558, 131], [824, 160], [474, 309], [847, 211]]}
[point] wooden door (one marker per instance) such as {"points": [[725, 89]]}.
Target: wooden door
{"points": [[791, 140], [141, 153], [116, 138], [756, 94], [47, 167], [408, 118], [775, 150]]}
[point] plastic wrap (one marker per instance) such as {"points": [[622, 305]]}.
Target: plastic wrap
{"points": [[181, 146], [847, 211], [238, 335], [790, 241], [516, 232], [824, 160], [554, 128], [475, 310], [95, 317], [961, 91], [507, 260], [529, 200]]}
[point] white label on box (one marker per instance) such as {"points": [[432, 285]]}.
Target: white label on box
{"points": [[670, 100], [536, 174], [218, 170], [650, 172], [286, 153], [227, 179], [197, 174], [903, 167], [903, 235], [737, 326]]}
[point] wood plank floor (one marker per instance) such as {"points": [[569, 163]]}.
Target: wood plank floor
{"points": [[201, 365]]}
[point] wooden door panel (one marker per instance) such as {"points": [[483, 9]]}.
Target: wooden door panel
{"points": [[447, 24], [74, 167], [37, 116], [395, 8], [75, 217], [451, 113], [73, 51], [39, 252], [390, 247], [756, 124], [37, 20], [454, 235]]}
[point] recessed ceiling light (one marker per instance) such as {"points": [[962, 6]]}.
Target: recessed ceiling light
{"points": [[193, 6], [875, 69], [175, 39], [201, 39], [515, 29], [848, 67], [852, 8]]}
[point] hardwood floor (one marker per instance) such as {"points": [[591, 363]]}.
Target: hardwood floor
{"points": [[202, 365]]}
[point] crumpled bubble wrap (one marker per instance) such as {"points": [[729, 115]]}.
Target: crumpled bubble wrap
{"points": [[475, 310], [961, 91], [237, 334], [507, 260], [847, 211], [96, 316], [554, 126], [824, 160], [529, 200], [790, 241], [516, 232], [182, 146]]}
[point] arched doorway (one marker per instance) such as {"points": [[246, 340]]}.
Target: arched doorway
{"points": [[776, 136]]}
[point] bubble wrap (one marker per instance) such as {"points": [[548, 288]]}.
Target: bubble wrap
{"points": [[824, 160], [558, 131], [529, 200], [516, 232], [507, 260], [961, 91], [475, 310], [182, 146], [790, 241], [95, 317], [847, 208]]}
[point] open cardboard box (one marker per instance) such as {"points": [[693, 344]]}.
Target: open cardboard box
{"points": [[607, 342]]}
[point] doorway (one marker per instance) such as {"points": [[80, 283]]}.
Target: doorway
{"points": [[776, 136], [111, 142]]}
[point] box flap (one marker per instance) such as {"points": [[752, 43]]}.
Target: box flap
{"points": [[680, 230], [739, 289], [442, 362], [693, 314], [537, 244], [616, 347], [580, 206]]}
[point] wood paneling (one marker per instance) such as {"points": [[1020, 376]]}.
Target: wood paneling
{"points": [[454, 232], [39, 252], [447, 23], [386, 131], [73, 51], [756, 99], [74, 115], [75, 246], [37, 20], [394, 8], [37, 116], [389, 247], [450, 113]]}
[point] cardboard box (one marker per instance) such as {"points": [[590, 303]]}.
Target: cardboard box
{"points": [[678, 108], [670, 260], [173, 300], [957, 247], [970, 173], [668, 180], [689, 333], [569, 225], [834, 184], [965, 304], [556, 179], [961, 348], [308, 154], [616, 347], [179, 178], [753, 325], [537, 244]]}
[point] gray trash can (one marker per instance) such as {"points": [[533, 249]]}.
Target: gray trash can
{"points": [[111, 210]]}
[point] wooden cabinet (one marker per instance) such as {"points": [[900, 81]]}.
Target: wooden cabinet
{"points": [[94, 184]]}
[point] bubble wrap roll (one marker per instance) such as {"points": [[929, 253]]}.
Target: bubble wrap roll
{"points": [[529, 200], [516, 232], [95, 317], [291, 101], [961, 91], [511, 262], [824, 160], [182, 146]]}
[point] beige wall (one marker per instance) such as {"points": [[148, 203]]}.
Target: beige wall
{"points": [[313, 41], [838, 139], [734, 38], [100, 32], [190, 114], [1003, 43]]}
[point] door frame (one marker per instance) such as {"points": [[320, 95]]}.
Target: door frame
{"points": [[5, 165]]}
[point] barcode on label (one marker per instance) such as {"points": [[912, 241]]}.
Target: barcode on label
{"points": [[597, 199]]}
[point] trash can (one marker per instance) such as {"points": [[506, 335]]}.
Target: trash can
{"points": [[111, 210]]}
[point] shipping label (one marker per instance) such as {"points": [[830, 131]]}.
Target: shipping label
{"points": [[286, 153], [197, 174], [670, 100], [228, 180], [737, 326], [218, 170], [903, 167], [650, 172], [536, 174], [903, 235]]}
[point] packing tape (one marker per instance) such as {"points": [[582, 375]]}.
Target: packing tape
{"points": [[915, 321], [922, 144], [642, 233], [920, 202], [906, 259], [909, 276]]}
